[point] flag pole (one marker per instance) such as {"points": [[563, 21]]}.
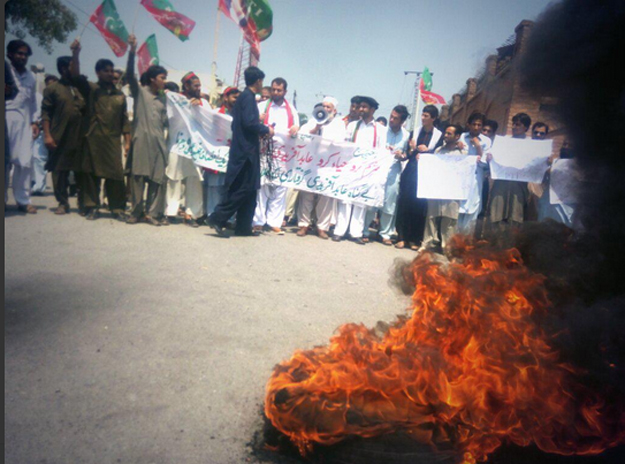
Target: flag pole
{"points": [[83, 28], [417, 113], [216, 43]]}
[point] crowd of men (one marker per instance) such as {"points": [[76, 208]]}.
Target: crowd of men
{"points": [[89, 136]]}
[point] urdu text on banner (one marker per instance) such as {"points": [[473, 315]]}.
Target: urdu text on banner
{"points": [[306, 162], [521, 160], [446, 177]]}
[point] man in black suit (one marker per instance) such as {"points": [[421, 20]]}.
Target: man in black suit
{"points": [[243, 172]]}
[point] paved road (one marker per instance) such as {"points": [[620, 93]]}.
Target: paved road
{"points": [[138, 344]]}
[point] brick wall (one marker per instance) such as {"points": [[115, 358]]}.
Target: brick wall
{"points": [[500, 96]]}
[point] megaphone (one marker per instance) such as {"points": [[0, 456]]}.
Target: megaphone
{"points": [[320, 114]]}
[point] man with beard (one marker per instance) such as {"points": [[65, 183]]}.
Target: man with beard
{"points": [[148, 158], [477, 145], [243, 172], [21, 126], [62, 113], [365, 133], [410, 209], [108, 120], [215, 181], [333, 129], [354, 110], [397, 143], [509, 198], [271, 200], [182, 173], [441, 221]]}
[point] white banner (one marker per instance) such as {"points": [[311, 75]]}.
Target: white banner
{"points": [[446, 177], [333, 169], [564, 182], [198, 132], [521, 160], [307, 162]]}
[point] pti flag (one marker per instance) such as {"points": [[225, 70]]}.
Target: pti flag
{"points": [[430, 98], [262, 15], [165, 14], [106, 19], [238, 12], [147, 54]]}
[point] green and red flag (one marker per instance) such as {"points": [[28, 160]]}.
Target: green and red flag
{"points": [[262, 15], [147, 54], [106, 19], [164, 13], [238, 11], [425, 87]]}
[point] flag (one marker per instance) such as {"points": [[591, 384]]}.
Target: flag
{"points": [[147, 54], [262, 15], [425, 85], [164, 13], [238, 12], [106, 19], [426, 80]]}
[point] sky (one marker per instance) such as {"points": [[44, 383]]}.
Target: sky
{"points": [[326, 47]]}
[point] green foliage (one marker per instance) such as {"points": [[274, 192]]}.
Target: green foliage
{"points": [[45, 20]]}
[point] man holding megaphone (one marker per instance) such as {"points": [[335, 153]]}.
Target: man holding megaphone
{"points": [[326, 125]]}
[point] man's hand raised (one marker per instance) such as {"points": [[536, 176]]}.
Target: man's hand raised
{"points": [[132, 41], [75, 46]]}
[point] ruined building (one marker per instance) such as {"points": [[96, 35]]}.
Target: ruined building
{"points": [[497, 93]]}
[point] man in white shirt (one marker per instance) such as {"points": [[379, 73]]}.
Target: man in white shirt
{"points": [[182, 171], [333, 129], [441, 221], [22, 128], [271, 200], [477, 145], [367, 134], [397, 143]]}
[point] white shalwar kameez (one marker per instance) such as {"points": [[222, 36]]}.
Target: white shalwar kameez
{"points": [[352, 217], [271, 199], [471, 207], [325, 209], [20, 114], [388, 213], [183, 173], [40, 156]]}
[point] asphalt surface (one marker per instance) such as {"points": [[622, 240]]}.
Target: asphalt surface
{"points": [[142, 344]]}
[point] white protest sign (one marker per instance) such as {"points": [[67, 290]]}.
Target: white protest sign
{"points": [[521, 160], [198, 132], [564, 182], [446, 177], [305, 162], [333, 169]]}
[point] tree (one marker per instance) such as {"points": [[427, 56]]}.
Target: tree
{"points": [[45, 20]]}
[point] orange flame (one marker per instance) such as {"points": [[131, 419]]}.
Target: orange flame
{"points": [[471, 367]]}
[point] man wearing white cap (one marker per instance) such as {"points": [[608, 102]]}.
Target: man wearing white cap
{"points": [[271, 199], [366, 133], [333, 129]]}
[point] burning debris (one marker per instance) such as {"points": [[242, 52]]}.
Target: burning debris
{"points": [[473, 366], [518, 339]]}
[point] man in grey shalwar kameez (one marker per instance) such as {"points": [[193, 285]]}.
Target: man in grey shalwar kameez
{"points": [[148, 156], [508, 198]]}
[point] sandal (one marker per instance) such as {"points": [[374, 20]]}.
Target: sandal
{"points": [[400, 245], [387, 241]]}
